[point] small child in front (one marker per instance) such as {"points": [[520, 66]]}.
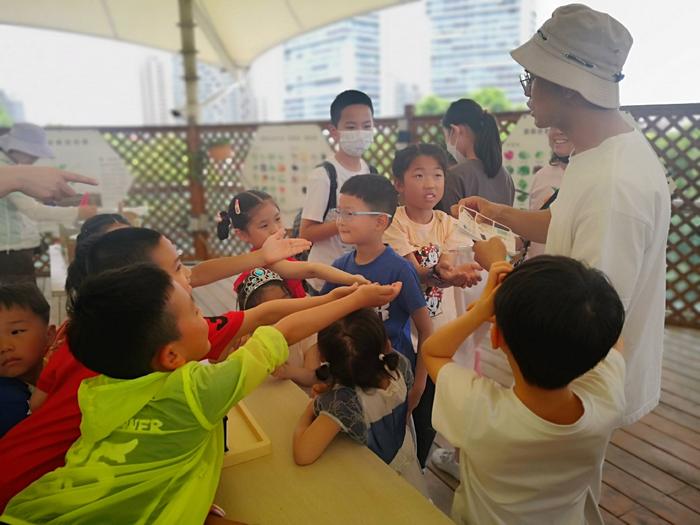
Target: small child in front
{"points": [[533, 453], [25, 335], [151, 444], [367, 399]]}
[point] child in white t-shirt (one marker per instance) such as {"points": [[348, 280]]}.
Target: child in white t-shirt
{"points": [[352, 119], [533, 453]]}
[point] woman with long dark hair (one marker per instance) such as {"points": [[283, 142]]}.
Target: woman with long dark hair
{"points": [[472, 138]]}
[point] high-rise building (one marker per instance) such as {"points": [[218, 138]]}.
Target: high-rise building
{"points": [[471, 41], [14, 108], [320, 64], [156, 96], [223, 99]]}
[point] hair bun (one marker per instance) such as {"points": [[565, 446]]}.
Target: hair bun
{"points": [[323, 372], [391, 360], [223, 226]]}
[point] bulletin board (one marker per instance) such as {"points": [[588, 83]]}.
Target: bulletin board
{"points": [[525, 151], [87, 153], [280, 160]]}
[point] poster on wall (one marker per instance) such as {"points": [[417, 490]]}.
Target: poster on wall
{"points": [[525, 151], [87, 153], [279, 162]]}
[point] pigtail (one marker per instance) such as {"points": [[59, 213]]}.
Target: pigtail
{"points": [[487, 146], [224, 225], [390, 360], [323, 372]]}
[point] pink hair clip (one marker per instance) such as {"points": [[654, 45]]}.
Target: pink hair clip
{"points": [[236, 207]]}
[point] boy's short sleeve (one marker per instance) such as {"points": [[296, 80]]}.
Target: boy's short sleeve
{"points": [[317, 193], [452, 408], [211, 390], [396, 236], [344, 407], [222, 330]]}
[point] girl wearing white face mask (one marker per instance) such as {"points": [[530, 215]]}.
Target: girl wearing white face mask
{"points": [[472, 138]]}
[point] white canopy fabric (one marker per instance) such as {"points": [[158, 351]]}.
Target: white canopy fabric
{"points": [[229, 32]]}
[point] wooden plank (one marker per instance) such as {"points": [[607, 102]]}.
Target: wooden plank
{"points": [[677, 386], [672, 428], [610, 519], [647, 496], [678, 416], [614, 501], [688, 496], [683, 368], [665, 442], [642, 516], [660, 459], [642, 470], [680, 403]]}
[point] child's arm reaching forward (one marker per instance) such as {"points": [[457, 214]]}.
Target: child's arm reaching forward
{"points": [[311, 270], [438, 350], [275, 248]]}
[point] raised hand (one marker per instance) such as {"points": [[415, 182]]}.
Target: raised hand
{"points": [[277, 248], [45, 183]]}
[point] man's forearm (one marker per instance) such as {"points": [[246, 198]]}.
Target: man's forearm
{"points": [[532, 225]]}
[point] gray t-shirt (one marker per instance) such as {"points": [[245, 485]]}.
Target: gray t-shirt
{"points": [[468, 179]]}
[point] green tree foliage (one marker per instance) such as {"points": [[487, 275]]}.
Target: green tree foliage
{"points": [[493, 99]]}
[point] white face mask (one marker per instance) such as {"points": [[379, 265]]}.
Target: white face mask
{"points": [[354, 142], [452, 150]]}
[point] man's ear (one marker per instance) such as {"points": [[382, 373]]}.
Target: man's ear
{"points": [[167, 359]]}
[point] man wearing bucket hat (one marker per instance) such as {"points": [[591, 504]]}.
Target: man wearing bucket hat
{"points": [[24, 144], [613, 208]]}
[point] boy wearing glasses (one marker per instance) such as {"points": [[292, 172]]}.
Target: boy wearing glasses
{"points": [[367, 205]]}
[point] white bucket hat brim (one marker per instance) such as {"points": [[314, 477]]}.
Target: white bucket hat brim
{"points": [[557, 69]]}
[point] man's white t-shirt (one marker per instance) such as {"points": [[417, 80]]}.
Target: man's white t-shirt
{"points": [[516, 467], [327, 250], [613, 212]]}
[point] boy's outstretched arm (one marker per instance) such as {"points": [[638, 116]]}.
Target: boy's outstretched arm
{"points": [[314, 270], [302, 324], [438, 350], [272, 311], [275, 248]]}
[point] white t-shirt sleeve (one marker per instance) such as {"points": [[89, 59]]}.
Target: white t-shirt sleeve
{"points": [[452, 408], [614, 243], [317, 193]]}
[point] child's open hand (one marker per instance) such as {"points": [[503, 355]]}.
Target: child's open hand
{"points": [[375, 295], [462, 276], [277, 248], [342, 291]]}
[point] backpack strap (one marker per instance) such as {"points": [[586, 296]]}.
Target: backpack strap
{"points": [[333, 190]]}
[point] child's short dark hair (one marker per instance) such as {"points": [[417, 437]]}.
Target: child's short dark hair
{"points": [[404, 158], [374, 190], [120, 319], [348, 98], [26, 296], [558, 317], [239, 211], [108, 251], [355, 349]]}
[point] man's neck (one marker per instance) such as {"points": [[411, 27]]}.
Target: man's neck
{"points": [[589, 128], [560, 406], [365, 253], [348, 162]]}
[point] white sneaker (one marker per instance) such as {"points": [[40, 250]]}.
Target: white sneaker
{"points": [[444, 459]]}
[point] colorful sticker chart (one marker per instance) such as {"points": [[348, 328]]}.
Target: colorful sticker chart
{"points": [[87, 153], [280, 160], [525, 151]]}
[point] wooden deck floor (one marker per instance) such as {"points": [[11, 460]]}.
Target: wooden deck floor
{"points": [[652, 468]]}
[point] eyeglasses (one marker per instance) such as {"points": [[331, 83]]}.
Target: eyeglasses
{"points": [[347, 215], [526, 82]]}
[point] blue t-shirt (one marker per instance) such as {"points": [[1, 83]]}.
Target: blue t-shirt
{"points": [[14, 402], [388, 268]]}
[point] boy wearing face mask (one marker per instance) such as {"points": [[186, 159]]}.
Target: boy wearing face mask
{"points": [[353, 130]]}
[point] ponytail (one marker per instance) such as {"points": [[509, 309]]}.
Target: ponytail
{"points": [[487, 146]]}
